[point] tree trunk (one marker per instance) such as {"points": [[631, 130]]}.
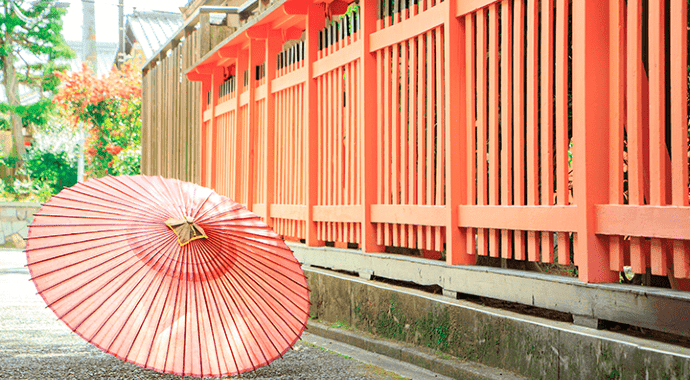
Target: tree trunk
{"points": [[12, 91]]}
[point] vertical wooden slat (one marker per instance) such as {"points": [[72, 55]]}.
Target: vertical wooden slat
{"points": [[657, 124], [405, 147], [413, 178], [617, 123], [471, 122], [519, 118], [532, 101], [429, 131], [679, 116], [493, 121], [379, 140], [421, 141], [482, 69], [506, 120], [395, 146], [638, 259], [440, 131], [546, 146], [387, 135]]}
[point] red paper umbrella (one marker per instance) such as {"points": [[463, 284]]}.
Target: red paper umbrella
{"points": [[168, 275]]}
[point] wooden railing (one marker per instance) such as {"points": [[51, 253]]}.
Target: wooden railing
{"points": [[520, 129]]}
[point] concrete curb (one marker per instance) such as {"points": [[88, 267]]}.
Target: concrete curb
{"points": [[447, 367]]}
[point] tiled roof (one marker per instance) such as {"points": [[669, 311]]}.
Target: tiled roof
{"points": [[153, 29], [105, 55]]}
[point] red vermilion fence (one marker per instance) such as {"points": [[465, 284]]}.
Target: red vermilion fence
{"points": [[521, 129]]}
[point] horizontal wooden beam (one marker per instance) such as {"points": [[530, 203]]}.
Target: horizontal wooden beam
{"points": [[244, 98], [409, 28], [259, 209], [260, 92], [340, 58], [409, 214], [666, 222], [295, 212], [295, 7], [348, 214], [468, 6], [524, 218], [225, 107], [288, 80], [208, 114]]}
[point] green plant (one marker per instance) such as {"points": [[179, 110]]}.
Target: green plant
{"points": [[128, 161]]}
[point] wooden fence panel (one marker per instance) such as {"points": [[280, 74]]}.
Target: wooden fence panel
{"points": [[288, 211], [522, 129], [171, 117], [339, 131], [410, 140]]}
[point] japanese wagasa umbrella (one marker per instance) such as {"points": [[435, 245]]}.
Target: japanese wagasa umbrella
{"points": [[167, 275]]}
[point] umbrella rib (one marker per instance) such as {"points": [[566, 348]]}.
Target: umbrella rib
{"points": [[244, 344], [198, 319], [79, 250], [250, 246], [77, 263], [125, 298], [274, 288], [76, 233], [134, 200], [203, 218], [143, 264], [210, 322], [129, 209], [245, 258], [65, 207], [214, 263], [177, 294], [148, 310], [271, 286], [234, 302], [165, 302], [80, 217], [175, 270], [164, 196], [224, 200], [151, 197], [202, 252]]}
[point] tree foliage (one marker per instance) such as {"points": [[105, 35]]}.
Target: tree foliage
{"points": [[110, 107], [31, 47]]}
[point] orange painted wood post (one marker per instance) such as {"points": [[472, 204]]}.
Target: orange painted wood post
{"points": [[315, 22], [241, 65], [205, 149], [273, 47], [368, 141], [216, 79], [456, 177], [591, 134], [679, 117], [257, 55]]}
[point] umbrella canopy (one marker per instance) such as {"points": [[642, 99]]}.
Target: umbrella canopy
{"points": [[167, 275]]}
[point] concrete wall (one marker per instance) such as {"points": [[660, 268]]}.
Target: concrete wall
{"points": [[15, 218], [529, 346]]}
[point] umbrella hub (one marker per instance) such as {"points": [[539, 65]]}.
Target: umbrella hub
{"points": [[185, 229]]}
